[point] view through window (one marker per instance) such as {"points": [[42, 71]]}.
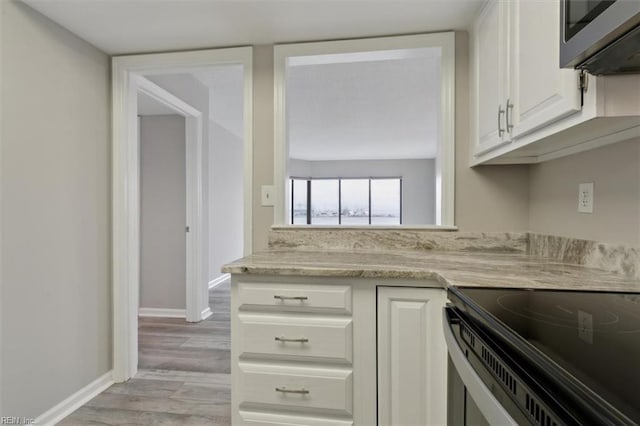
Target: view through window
{"points": [[346, 201]]}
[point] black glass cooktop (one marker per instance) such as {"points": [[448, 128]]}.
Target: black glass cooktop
{"points": [[593, 337]]}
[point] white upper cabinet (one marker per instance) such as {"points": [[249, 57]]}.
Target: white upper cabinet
{"points": [[490, 73], [541, 92], [524, 107]]}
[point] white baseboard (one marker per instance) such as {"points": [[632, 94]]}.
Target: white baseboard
{"points": [[221, 279], [206, 313], [75, 401], [162, 312]]}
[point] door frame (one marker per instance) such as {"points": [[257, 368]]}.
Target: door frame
{"points": [[125, 184], [197, 306]]}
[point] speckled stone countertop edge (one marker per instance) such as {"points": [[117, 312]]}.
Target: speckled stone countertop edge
{"points": [[495, 270]]}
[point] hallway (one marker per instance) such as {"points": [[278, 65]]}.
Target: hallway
{"points": [[183, 376]]}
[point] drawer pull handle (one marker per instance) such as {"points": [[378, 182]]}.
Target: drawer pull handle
{"points": [[291, 297], [284, 339], [302, 391]]}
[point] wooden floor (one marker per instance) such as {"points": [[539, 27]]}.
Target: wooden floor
{"points": [[183, 378]]}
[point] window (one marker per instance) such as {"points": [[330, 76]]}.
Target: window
{"points": [[346, 201], [376, 107]]}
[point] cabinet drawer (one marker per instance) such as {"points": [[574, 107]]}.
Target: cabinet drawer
{"points": [[295, 297], [296, 336], [254, 418], [290, 387]]}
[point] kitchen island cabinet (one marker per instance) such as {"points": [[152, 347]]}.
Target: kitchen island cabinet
{"points": [[330, 337], [412, 356], [336, 351]]}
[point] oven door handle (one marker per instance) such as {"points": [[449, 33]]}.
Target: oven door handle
{"points": [[489, 406]]}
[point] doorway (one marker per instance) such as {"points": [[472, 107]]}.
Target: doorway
{"points": [[170, 149], [126, 195]]}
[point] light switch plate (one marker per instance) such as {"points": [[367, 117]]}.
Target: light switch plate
{"points": [[585, 197], [267, 195]]}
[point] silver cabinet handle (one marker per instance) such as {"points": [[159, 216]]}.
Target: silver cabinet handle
{"points": [[291, 297], [500, 129], [284, 339], [302, 391], [508, 115]]}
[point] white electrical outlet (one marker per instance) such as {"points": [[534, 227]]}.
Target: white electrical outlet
{"points": [[585, 197], [267, 195]]}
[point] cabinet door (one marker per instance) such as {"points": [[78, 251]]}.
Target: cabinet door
{"points": [[412, 357], [490, 54], [541, 92]]}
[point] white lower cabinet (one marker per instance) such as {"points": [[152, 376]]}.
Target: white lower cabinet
{"points": [[263, 419], [412, 357], [296, 387], [370, 355]]}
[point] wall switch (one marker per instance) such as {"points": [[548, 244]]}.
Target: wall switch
{"points": [[267, 195], [585, 197]]}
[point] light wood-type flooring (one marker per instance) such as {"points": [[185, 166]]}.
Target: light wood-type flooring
{"points": [[183, 378]]}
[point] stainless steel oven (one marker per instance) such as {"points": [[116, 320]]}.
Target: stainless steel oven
{"points": [[542, 357], [600, 36], [483, 384]]}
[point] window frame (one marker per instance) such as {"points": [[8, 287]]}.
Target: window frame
{"points": [[339, 179], [445, 161]]}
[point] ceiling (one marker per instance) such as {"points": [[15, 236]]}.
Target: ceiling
{"points": [[135, 26], [368, 110]]}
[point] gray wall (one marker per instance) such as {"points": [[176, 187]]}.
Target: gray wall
{"points": [[262, 142], [615, 171], [226, 200], [490, 198], [162, 212], [56, 209], [418, 181]]}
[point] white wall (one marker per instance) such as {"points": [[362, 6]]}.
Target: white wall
{"points": [[615, 171], [418, 181], [226, 163], [162, 212], [226, 204], [56, 209]]}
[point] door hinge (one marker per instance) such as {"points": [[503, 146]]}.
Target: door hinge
{"points": [[583, 81], [583, 85], [186, 229]]}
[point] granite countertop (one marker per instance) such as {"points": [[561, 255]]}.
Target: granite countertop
{"points": [[450, 268]]}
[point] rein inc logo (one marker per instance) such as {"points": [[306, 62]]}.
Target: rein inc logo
{"points": [[15, 420]]}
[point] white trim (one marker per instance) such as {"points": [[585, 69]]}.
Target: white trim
{"points": [[206, 313], [162, 312], [75, 401], [125, 171], [195, 251], [445, 167], [164, 97], [217, 281]]}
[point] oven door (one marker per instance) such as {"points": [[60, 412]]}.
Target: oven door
{"points": [[469, 400]]}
